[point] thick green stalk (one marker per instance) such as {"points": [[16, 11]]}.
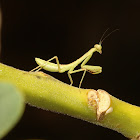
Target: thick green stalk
{"points": [[0, 26], [46, 92]]}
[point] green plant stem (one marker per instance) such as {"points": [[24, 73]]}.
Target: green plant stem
{"points": [[46, 92], [0, 27]]}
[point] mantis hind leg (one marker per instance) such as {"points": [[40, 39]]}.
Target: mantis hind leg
{"points": [[41, 66], [71, 71]]}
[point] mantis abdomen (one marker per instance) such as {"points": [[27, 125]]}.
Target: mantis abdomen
{"points": [[52, 67]]}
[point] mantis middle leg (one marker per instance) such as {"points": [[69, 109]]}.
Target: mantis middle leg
{"points": [[40, 66], [82, 69], [71, 71]]}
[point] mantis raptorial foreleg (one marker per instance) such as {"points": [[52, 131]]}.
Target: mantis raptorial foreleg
{"points": [[90, 68], [86, 60], [40, 66], [71, 72]]}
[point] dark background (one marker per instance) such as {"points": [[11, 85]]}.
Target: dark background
{"points": [[33, 28]]}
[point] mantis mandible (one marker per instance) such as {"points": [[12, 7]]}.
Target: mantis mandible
{"points": [[61, 68]]}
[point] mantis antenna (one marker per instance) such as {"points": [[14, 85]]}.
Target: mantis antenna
{"points": [[103, 35], [102, 39]]}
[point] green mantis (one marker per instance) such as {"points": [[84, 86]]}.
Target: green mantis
{"points": [[52, 67], [61, 68]]}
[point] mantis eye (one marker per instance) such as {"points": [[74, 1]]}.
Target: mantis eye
{"points": [[98, 47]]}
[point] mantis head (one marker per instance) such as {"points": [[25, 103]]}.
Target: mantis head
{"points": [[98, 48]]}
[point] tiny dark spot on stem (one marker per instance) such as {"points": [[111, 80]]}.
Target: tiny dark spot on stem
{"points": [[38, 77], [24, 72]]}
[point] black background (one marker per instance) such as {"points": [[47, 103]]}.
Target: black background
{"points": [[68, 29]]}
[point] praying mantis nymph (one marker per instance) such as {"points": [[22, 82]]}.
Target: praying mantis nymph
{"points": [[61, 68]]}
